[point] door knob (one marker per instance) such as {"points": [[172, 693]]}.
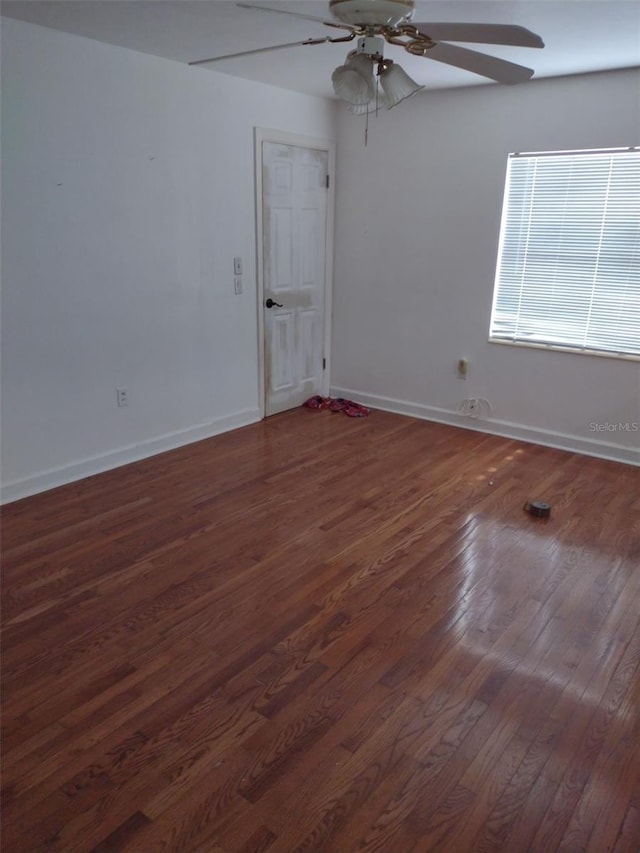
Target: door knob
{"points": [[271, 304]]}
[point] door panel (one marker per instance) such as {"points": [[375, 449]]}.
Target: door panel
{"points": [[282, 249], [281, 362], [294, 212], [308, 321], [309, 248]]}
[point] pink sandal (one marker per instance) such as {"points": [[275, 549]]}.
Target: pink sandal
{"points": [[317, 402], [353, 410]]}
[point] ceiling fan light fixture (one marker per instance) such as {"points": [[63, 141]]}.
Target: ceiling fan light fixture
{"points": [[353, 81], [397, 85]]}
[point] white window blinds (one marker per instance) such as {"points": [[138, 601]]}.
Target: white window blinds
{"points": [[568, 270]]}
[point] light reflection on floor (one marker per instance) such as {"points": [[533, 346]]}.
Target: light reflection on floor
{"points": [[490, 592]]}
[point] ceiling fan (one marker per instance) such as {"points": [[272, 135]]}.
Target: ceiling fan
{"points": [[372, 22]]}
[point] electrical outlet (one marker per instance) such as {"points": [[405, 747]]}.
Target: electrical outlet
{"points": [[237, 285], [123, 396], [475, 407]]}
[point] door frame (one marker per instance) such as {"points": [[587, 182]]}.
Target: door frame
{"points": [[283, 137]]}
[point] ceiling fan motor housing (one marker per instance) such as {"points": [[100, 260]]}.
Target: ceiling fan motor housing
{"points": [[377, 13]]}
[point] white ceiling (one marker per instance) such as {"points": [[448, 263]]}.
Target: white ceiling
{"points": [[580, 35]]}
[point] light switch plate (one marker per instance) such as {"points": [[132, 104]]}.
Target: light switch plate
{"points": [[237, 266]]}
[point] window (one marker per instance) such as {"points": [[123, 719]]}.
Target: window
{"points": [[568, 271]]}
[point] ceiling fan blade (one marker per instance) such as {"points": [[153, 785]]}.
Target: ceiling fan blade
{"points": [[479, 63], [481, 33], [248, 52], [283, 12]]}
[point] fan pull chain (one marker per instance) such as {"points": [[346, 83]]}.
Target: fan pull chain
{"points": [[366, 127]]}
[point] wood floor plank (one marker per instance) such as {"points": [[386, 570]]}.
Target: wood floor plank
{"points": [[319, 633], [579, 769]]}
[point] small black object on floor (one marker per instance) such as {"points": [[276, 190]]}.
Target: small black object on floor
{"points": [[539, 509]]}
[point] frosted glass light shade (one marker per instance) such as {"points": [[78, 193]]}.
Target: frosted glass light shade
{"points": [[353, 81], [397, 85], [370, 107]]}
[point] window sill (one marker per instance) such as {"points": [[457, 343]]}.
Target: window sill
{"points": [[621, 356]]}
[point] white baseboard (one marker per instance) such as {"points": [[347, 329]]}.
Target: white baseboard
{"points": [[506, 429], [44, 480]]}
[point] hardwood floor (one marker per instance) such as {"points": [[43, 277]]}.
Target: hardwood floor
{"points": [[319, 633]]}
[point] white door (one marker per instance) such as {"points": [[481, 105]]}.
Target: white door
{"points": [[294, 222]]}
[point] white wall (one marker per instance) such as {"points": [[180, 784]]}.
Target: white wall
{"points": [[417, 226], [128, 187]]}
